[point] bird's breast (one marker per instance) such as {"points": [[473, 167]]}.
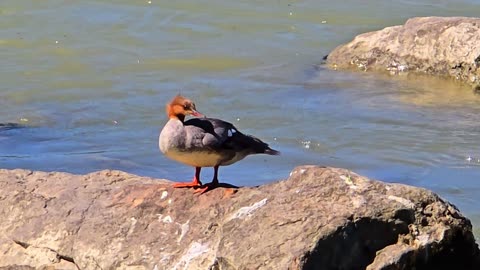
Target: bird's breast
{"points": [[172, 136], [196, 158]]}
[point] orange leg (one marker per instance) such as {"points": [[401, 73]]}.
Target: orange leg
{"points": [[211, 185], [195, 182]]}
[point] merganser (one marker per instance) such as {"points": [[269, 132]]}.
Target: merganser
{"points": [[204, 142]]}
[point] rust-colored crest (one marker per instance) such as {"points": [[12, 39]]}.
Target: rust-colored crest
{"points": [[179, 107]]}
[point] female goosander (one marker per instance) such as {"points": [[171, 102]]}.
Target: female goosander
{"points": [[204, 142]]}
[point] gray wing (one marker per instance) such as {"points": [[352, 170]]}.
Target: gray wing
{"points": [[208, 133], [218, 135]]}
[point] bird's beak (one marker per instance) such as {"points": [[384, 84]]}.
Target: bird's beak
{"points": [[197, 114]]}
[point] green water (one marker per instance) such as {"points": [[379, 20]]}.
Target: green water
{"points": [[89, 80]]}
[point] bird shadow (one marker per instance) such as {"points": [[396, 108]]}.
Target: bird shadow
{"points": [[227, 185], [207, 187]]}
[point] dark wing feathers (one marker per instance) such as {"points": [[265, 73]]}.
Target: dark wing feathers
{"points": [[218, 134], [240, 141], [208, 132]]}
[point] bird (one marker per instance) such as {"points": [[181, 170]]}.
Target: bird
{"points": [[204, 142]]}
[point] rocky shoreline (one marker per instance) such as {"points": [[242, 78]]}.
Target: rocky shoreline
{"points": [[439, 46], [318, 218]]}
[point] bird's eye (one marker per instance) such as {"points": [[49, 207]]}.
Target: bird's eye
{"points": [[185, 107]]}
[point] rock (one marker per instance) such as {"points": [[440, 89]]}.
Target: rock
{"points": [[446, 46], [319, 218], [9, 126]]}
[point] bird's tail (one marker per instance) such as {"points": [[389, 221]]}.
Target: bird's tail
{"points": [[258, 146], [271, 151], [252, 145]]}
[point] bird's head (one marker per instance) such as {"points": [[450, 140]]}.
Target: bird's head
{"points": [[180, 107]]}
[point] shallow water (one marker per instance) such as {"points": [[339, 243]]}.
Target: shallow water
{"points": [[89, 81]]}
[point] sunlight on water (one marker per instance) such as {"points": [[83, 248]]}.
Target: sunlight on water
{"points": [[424, 91], [199, 64]]}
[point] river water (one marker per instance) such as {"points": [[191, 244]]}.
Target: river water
{"points": [[88, 82]]}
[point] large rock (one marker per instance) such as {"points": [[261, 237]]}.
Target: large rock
{"points": [[319, 218], [431, 45]]}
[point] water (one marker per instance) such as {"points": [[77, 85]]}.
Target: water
{"points": [[89, 81]]}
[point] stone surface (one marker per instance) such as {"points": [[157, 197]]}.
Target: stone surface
{"points": [[447, 46], [319, 218]]}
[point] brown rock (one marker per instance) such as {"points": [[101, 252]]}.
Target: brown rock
{"points": [[448, 46], [319, 218]]}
